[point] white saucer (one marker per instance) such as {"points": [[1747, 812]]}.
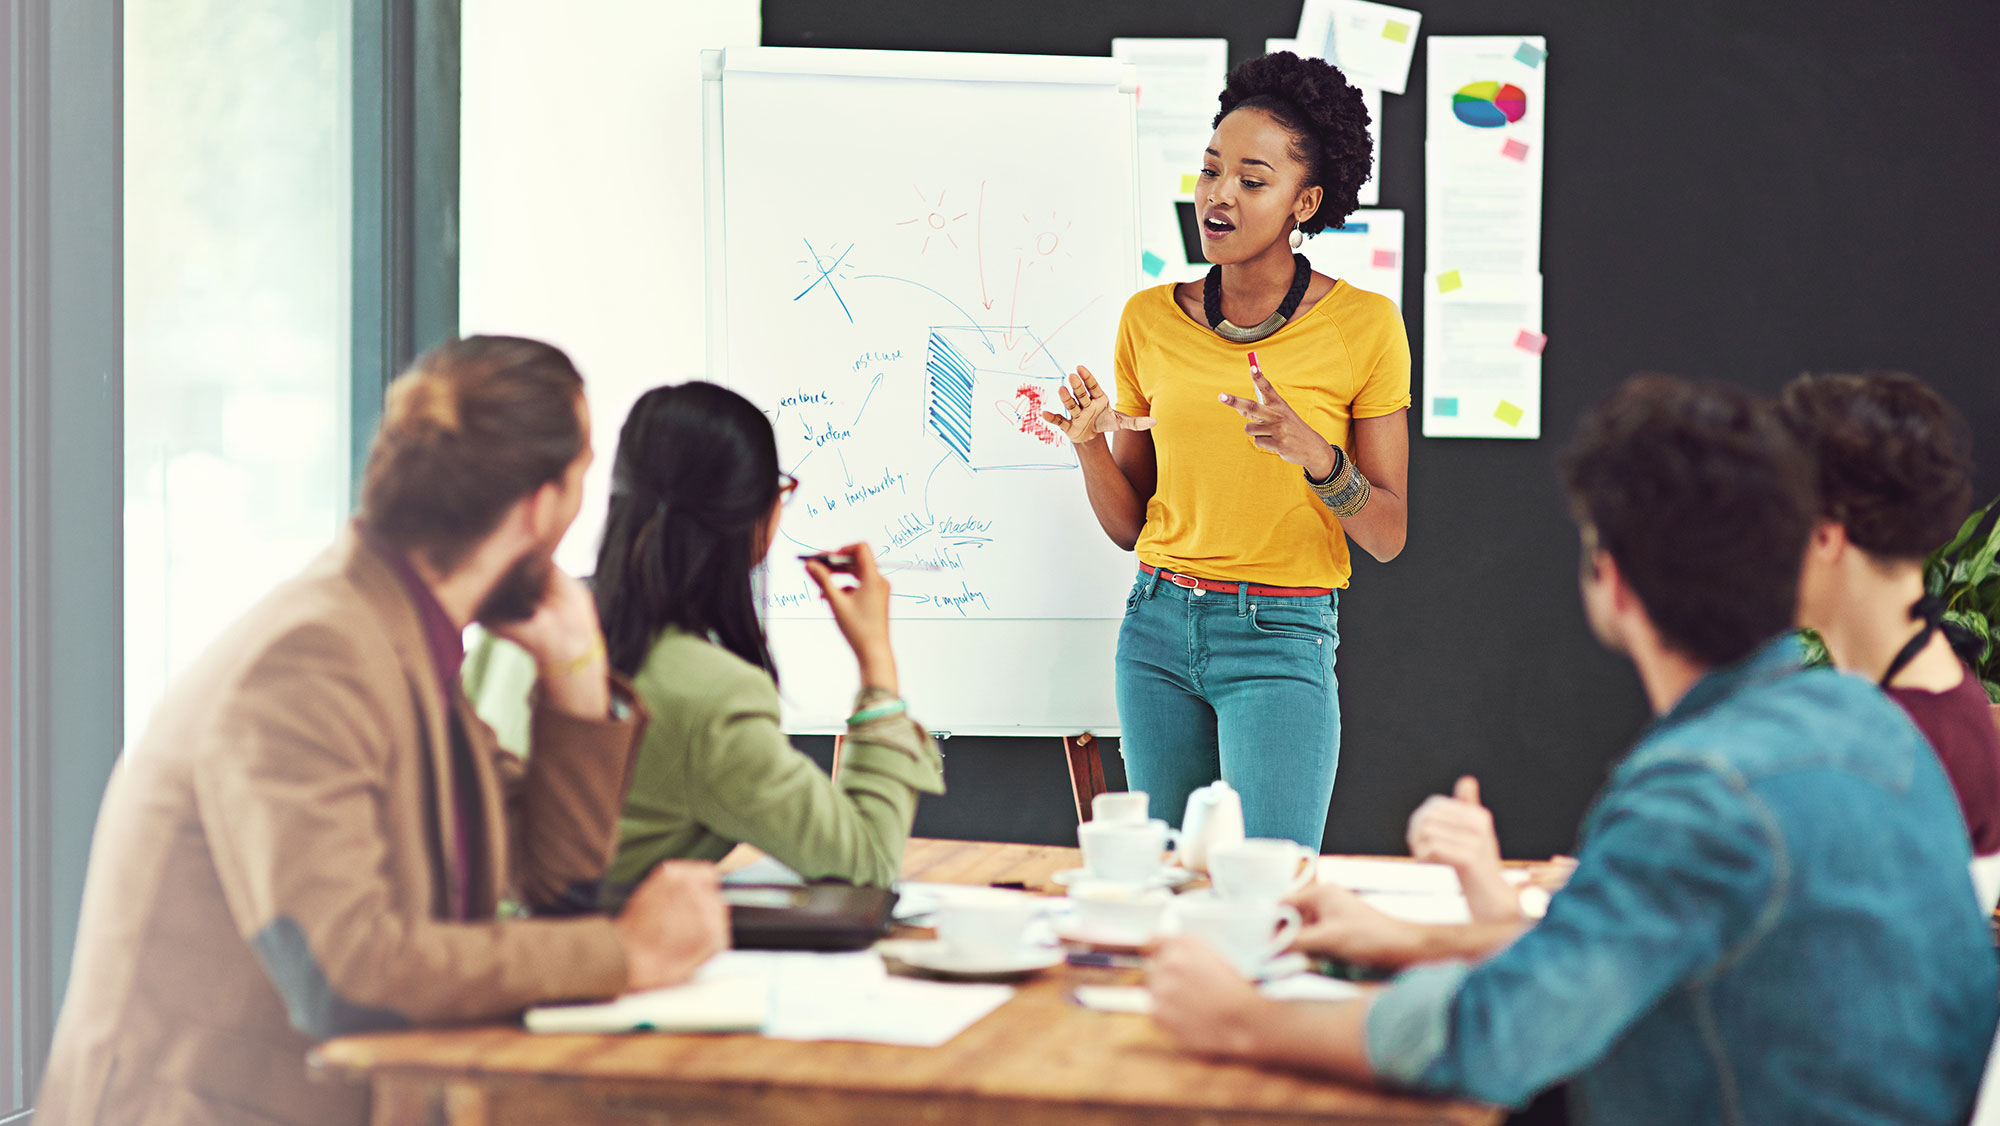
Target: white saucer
{"points": [[933, 957], [1169, 876]]}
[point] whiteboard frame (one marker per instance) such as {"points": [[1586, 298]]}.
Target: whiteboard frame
{"points": [[1099, 634]]}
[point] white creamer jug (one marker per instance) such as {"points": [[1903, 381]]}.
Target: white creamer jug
{"points": [[1214, 820]]}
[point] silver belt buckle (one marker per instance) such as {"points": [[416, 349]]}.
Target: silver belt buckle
{"points": [[1183, 581]]}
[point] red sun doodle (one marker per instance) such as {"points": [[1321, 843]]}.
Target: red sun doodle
{"points": [[935, 222], [1025, 413]]}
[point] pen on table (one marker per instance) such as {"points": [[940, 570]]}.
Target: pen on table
{"points": [[1105, 960]]}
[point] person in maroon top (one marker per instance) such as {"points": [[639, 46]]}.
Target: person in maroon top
{"points": [[1895, 482]]}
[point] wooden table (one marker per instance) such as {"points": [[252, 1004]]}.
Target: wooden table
{"points": [[1038, 1058]]}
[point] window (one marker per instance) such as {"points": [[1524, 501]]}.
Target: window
{"points": [[238, 184]]}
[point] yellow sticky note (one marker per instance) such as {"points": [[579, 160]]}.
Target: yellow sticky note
{"points": [[1188, 182], [1396, 31], [1508, 413], [1449, 281]]}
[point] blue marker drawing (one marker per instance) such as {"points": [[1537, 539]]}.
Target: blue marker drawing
{"points": [[825, 270], [960, 391], [952, 382], [970, 321]]}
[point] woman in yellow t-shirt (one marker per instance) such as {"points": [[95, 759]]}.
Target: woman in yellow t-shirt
{"points": [[1245, 459]]}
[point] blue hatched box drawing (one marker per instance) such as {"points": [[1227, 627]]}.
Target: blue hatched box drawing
{"points": [[987, 388]]}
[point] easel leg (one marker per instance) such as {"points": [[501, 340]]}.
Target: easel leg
{"points": [[1086, 771]]}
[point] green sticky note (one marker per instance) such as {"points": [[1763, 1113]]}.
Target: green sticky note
{"points": [[1449, 281], [1508, 413], [1188, 182], [1152, 263], [1445, 406], [1396, 31]]}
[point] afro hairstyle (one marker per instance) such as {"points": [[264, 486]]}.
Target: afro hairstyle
{"points": [[1327, 120]]}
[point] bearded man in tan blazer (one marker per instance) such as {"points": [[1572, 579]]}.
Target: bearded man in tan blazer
{"points": [[315, 835]]}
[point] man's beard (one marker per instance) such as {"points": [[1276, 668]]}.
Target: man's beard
{"points": [[520, 591]]}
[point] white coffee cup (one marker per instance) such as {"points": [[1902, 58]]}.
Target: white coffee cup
{"points": [[1261, 868], [1120, 914], [1124, 851], [1246, 934], [1120, 807], [986, 927]]}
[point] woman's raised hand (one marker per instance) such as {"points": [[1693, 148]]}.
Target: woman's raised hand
{"points": [[862, 613], [1090, 412]]}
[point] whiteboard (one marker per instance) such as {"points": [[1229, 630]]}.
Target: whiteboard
{"points": [[905, 253]]}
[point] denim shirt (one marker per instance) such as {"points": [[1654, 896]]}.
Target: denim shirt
{"points": [[1771, 920]]}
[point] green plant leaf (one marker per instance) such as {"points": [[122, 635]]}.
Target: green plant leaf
{"points": [[1980, 628], [1992, 690], [1813, 650], [1964, 533]]}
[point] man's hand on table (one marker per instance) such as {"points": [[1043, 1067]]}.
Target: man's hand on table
{"points": [[1338, 924], [1200, 1001], [674, 922]]}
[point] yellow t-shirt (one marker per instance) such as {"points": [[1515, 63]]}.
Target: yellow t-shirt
{"points": [[1224, 509]]}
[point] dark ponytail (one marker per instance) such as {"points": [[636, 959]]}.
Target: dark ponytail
{"points": [[695, 478]]}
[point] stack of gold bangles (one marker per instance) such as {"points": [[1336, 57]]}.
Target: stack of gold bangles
{"points": [[1345, 490]]}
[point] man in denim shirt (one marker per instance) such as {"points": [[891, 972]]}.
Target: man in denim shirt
{"points": [[1770, 919]]}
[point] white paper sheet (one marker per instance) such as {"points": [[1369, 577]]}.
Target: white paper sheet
{"points": [[1179, 81], [853, 997], [1297, 987], [1482, 364], [1371, 43], [1485, 104], [1367, 253], [1406, 877]]}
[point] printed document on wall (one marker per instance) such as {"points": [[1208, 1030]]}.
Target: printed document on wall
{"points": [[1371, 43], [1484, 105], [1483, 155], [1366, 253], [1179, 81], [1482, 355]]}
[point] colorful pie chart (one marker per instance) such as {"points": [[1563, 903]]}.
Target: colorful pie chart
{"points": [[1489, 105]]}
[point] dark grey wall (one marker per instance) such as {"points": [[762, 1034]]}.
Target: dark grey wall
{"points": [[1742, 191]]}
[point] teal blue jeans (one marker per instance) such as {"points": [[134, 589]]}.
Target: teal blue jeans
{"points": [[1232, 686]]}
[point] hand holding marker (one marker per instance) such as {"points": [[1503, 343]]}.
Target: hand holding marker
{"points": [[1274, 427]]}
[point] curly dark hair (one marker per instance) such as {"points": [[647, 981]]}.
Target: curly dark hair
{"points": [[1705, 501], [1327, 120], [1895, 459]]}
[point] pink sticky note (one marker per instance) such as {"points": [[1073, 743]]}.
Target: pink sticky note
{"points": [[1531, 342], [1385, 259], [1514, 150]]}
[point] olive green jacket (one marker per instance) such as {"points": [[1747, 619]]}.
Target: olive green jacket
{"points": [[714, 769]]}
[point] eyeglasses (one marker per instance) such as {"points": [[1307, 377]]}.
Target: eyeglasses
{"points": [[787, 485]]}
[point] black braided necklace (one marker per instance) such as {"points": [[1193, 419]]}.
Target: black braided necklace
{"points": [[1211, 304]]}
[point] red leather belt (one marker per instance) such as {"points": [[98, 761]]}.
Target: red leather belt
{"points": [[1189, 582]]}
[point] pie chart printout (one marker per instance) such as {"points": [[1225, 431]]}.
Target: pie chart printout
{"points": [[1489, 105]]}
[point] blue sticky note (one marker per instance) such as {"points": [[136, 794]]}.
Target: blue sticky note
{"points": [[1530, 54], [1153, 263], [1444, 407]]}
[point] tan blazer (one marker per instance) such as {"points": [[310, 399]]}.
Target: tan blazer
{"points": [[269, 867]]}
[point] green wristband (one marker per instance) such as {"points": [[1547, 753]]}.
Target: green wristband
{"points": [[879, 711]]}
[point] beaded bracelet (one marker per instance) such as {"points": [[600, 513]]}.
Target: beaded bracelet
{"points": [[1345, 490]]}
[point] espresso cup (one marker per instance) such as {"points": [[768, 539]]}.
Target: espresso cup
{"points": [[1118, 914], [1119, 807], [986, 927], [1124, 851], [1261, 868], [1246, 934]]}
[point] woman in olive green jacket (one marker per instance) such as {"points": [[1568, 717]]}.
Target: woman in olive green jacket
{"points": [[696, 496]]}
